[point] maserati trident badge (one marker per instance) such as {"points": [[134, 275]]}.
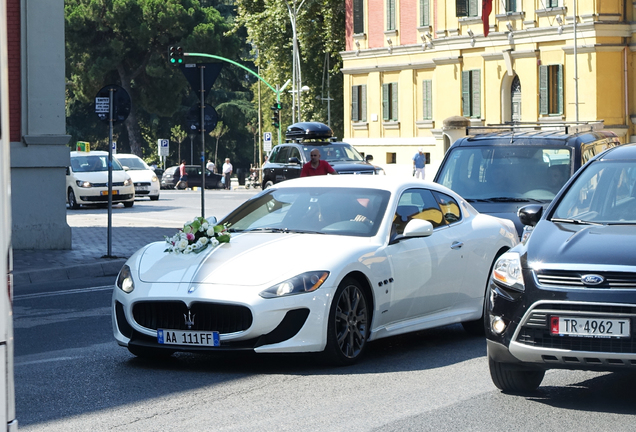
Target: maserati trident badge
{"points": [[189, 319]]}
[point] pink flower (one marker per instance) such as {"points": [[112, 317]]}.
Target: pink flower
{"points": [[190, 236]]}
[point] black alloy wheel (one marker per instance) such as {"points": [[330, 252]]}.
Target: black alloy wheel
{"points": [[72, 201], [349, 324]]}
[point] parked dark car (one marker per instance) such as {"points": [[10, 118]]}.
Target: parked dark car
{"points": [[170, 178], [566, 296], [287, 159], [499, 172]]}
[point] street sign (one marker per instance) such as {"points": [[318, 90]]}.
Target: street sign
{"points": [[210, 118], [114, 147], [102, 105], [121, 103], [164, 146], [267, 142], [192, 73]]}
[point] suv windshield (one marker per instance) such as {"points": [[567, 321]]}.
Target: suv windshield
{"points": [[93, 163], [334, 152], [507, 172], [604, 193]]}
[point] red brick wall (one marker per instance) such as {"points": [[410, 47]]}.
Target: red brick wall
{"points": [[13, 42], [408, 22], [375, 15]]}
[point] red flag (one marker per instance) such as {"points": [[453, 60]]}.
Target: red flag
{"points": [[486, 8]]}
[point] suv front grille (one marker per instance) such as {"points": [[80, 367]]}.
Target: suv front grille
{"points": [[206, 316], [535, 331], [572, 279]]}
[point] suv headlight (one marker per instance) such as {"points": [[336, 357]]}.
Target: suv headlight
{"points": [[303, 283], [125, 281], [128, 182], [379, 171], [83, 184], [507, 271]]}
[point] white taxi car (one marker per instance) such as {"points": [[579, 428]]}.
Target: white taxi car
{"points": [[87, 180], [145, 180]]}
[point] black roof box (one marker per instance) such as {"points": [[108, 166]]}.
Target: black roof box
{"points": [[308, 130]]}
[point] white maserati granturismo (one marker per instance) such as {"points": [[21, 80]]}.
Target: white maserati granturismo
{"points": [[320, 264]]}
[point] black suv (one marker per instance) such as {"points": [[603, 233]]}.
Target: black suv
{"points": [[566, 296], [170, 177], [511, 166], [287, 159]]}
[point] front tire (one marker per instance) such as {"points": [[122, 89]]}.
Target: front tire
{"points": [[129, 204], [72, 201], [154, 198], [349, 323], [509, 379], [268, 184]]}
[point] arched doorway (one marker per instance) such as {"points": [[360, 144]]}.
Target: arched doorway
{"points": [[515, 99]]}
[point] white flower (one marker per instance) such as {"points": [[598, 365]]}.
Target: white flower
{"points": [[205, 226], [210, 232], [214, 242], [182, 244], [203, 241]]}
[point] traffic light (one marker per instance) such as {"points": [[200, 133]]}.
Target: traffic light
{"points": [[276, 114], [176, 55]]}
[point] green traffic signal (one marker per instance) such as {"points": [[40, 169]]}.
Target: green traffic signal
{"points": [[176, 54]]}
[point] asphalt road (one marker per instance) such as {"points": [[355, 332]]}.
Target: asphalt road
{"points": [[71, 376]]}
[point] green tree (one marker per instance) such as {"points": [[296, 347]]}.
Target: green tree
{"points": [[321, 36], [126, 42]]}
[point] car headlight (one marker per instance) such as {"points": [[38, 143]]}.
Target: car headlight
{"points": [[154, 178], [303, 283], [507, 271], [83, 184], [128, 182], [125, 281], [379, 171]]}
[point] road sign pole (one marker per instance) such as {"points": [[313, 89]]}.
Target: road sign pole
{"points": [[110, 174], [202, 71]]}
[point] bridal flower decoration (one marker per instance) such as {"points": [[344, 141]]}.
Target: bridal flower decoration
{"points": [[196, 236]]}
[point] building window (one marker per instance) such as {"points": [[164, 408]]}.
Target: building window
{"points": [[425, 13], [551, 3], [551, 89], [391, 158], [467, 8], [511, 6], [390, 102], [390, 15], [427, 98], [359, 103], [358, 16], [471, 93]]}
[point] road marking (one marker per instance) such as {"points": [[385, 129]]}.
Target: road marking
{"points": [[27, 363], [57, 293]]}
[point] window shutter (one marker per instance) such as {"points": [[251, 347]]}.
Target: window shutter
{"points": [[476, 90], [385, 102], [358, 16], [424, 13], [466, 93], [560, 88], [427, 100], [354, 103], [461, 8], [394, 101], [473, 8], [363, 103], [543, 89], [390, 14]]}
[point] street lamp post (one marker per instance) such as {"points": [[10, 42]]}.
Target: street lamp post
{"points": [[296, 75]]}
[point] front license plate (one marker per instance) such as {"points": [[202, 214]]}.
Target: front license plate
{"points": [[106, 192], [143, 188], [589, 327], [186, 337]]}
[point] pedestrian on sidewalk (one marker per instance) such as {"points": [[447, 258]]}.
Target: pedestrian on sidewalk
{"points": [[418, 164], [183, 175], [210, 166], [316, 166], [227, 173]]}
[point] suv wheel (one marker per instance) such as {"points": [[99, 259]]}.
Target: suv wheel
{"points": [[268, 184], [512, 379]]}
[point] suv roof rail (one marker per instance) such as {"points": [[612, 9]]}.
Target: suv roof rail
{"points": [[566, 127]]}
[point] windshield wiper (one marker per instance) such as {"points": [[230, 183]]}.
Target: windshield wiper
{"points": [[576, 221], [507, 199]]}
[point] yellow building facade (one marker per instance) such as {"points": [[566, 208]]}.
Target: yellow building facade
{"points": [[411, 64]]}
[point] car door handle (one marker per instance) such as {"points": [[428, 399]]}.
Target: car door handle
{"points": [[457, 245]]}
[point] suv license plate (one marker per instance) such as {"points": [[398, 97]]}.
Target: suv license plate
{"points": [[589, 327], [184, 337]]}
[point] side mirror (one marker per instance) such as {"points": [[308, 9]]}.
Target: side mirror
{"points": [[125, 167], [418, 228], [530, 215], [293, 160], [368, 158]]}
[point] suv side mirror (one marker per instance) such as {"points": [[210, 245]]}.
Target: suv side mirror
{"points": [[368, 158], [531, 214], [293, 160]]}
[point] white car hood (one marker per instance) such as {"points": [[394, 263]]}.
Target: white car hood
{"points": [[101, 176], [248, 259], [140, 175]]}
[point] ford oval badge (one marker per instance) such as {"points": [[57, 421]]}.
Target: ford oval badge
{"points": [[592, 279]]}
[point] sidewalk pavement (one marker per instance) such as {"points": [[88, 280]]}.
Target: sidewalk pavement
{"points": [[87, 256]]}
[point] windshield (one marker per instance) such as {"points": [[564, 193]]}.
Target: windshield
{"points": [[93, 163], [334, 152], [340, 211], [604, 193], [506, 172], [133, 163]]}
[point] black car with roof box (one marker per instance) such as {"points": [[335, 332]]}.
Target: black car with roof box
{"points": [[499, 169], [287, 159]]}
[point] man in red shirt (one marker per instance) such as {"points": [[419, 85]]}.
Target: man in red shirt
{"points": [[316, 166]]}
